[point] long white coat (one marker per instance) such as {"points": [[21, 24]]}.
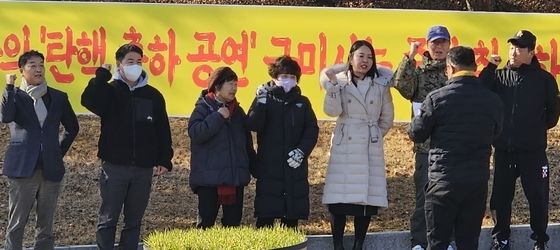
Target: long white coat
{"points": [[356, 169]]}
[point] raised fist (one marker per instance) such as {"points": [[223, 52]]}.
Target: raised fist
{"points": [[262, 92], [10, 79], [413, 49], [331, 75], [107, 66], [495, 59]]}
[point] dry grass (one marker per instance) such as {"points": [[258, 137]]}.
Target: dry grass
{"points": [[173, 205]]}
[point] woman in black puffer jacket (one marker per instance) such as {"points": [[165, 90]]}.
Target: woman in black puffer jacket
{"points": [[287, 132]]}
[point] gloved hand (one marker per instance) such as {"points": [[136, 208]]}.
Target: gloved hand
{"points": [[296, 157], [262, 91]]}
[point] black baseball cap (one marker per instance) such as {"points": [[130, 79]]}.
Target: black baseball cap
{"points": [[524, 39]]}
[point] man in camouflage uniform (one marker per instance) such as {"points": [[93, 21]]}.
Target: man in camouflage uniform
{"points": [[414, 83]]}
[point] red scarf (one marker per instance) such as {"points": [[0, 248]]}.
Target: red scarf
{"points": [[230, 105], [226, 194]]}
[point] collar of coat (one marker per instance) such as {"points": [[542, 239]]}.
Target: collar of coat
{"points": [[429, 64], [464, 73], [535, 64]]}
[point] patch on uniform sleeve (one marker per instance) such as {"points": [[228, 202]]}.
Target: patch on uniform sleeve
{"points": [[299, 104], [544, 171]]}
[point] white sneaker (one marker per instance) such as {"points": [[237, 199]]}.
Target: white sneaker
{"points": [[450, 247]]}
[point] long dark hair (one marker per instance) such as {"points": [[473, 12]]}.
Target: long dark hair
{"points": [[355, 46]]}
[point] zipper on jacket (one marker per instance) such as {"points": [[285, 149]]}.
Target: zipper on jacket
{"points": [[132, 103], [293, 118], [512, 124], [287, 168], [231, 155]]}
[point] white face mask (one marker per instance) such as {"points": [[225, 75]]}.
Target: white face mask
{"points": [[132, 72], [286, 83]]}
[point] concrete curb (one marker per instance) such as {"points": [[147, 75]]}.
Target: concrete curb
{"points": [[400, 240]]}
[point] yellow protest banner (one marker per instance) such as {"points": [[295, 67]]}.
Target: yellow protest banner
{"points": [[183, 43]]}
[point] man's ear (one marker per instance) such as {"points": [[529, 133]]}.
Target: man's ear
{"points": [[21, 70]]}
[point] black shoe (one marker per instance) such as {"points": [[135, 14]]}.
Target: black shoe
{"points": [[338, 246], [539, 246], [338, 243], [500, 245], [358, 245]]}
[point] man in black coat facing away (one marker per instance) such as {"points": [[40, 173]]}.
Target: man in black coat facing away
{"points": [[463, 119], [530, 96]]}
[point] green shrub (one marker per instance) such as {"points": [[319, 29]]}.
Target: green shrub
{"points": [[241, 238]]}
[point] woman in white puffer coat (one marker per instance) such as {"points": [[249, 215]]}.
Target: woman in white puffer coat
{"points": [[358, 94]]}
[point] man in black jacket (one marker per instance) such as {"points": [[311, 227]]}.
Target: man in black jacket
{"points": [[462, 119], [529, 94], [135, 143]]}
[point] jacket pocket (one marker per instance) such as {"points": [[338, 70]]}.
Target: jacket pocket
{"points": [[338, 134], [144, 110]]}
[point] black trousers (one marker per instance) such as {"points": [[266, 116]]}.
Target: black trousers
{"points": [[418, 217], [455, 208], [533, 170], [338, 223], [208, 208]]}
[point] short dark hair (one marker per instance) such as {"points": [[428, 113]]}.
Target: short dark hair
{"points": [[127, 48], [27, 55], [355, 46], [461, 57], [284, 65], [219, 76]]}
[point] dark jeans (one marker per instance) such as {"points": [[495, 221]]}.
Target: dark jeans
{"points": [[125, 188], [418, 217], [533, 170], [455, 208], [208, 208]]}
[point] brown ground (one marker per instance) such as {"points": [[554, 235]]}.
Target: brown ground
{"points": [[173, 205]]}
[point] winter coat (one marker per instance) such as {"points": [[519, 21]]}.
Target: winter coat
{"points": [[530, 98], [356, 168], [221, 148], [463, 119], [134, 124], [29, 142], [286, 122], [414, 84]]}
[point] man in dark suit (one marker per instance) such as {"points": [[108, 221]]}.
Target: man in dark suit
{"points": [[33, 160]]}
